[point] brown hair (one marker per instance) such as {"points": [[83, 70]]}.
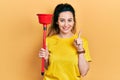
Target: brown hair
{"points": [[54, 29]]}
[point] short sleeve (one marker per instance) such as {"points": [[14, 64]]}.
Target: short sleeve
{"points": [[87, 53]]}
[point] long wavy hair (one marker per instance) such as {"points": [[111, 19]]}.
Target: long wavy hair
{"points": [[54, 28]]}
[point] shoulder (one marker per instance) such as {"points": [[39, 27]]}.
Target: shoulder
{"points": [[51, 38]]}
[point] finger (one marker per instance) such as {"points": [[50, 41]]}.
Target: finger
{"points": [[46, 47], [42, 49], [79, 34], [75, 41], [41, 55]]}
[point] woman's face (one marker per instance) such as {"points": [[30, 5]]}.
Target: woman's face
{"points": [[65, 22]]}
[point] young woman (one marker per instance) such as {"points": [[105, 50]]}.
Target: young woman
{"points": [[67, 54]]}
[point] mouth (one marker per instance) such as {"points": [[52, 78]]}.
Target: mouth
{"points": [[66, 28]]}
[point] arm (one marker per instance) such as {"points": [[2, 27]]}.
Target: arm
{"points": [[45, 54], [83, 64], [46, 63]]}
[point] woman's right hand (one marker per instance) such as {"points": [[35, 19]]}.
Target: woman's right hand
{"points": [[44, 53]]}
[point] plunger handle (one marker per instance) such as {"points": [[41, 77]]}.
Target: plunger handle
{"points": [[44, 46], [44, 19]]}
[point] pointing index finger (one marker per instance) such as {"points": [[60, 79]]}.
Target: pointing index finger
{"points": [[79, 34]]}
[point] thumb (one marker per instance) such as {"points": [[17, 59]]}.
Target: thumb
{"points": [[47, 48]]}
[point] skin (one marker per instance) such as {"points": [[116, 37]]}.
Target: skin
{"points": [[82, 63], [66, 23]]}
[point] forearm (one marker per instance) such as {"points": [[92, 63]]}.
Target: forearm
{"points": [[83, 64], [46, 63], [44, 53]]}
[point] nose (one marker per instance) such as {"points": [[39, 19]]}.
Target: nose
{"points": [[66, 23]]}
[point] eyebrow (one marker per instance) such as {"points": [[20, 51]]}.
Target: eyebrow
{"points": [[63, 18]]}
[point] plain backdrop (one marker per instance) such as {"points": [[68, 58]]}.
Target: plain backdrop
{"points": [[21, 37]]}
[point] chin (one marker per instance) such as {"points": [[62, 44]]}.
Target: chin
{"points": [[66, 32]]}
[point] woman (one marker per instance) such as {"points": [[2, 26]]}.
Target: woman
{"points": [[67, 55]]}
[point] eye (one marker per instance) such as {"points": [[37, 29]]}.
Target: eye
{"points": [[62, 20], [70, 20]]}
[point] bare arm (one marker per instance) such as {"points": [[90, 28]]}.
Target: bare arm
{"points": [[46, 63], [44, 54], [83, 64]]}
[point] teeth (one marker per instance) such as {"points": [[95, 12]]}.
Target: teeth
{"points": [[65, 28]]}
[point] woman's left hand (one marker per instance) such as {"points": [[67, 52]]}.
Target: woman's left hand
{"points": [[78, 43]]}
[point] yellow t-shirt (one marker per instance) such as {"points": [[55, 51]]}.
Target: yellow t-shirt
{"points": [[63, 60]]}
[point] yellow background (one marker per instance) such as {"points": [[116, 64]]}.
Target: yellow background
{"points": [[21, 37]]}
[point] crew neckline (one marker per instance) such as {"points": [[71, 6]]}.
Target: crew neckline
{"points": [[65, 38]]}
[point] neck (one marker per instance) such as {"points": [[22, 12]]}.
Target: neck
{"points": [[63, 35]]}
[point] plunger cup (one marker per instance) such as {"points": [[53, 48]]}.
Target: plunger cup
{"points": [[44, 19]]}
